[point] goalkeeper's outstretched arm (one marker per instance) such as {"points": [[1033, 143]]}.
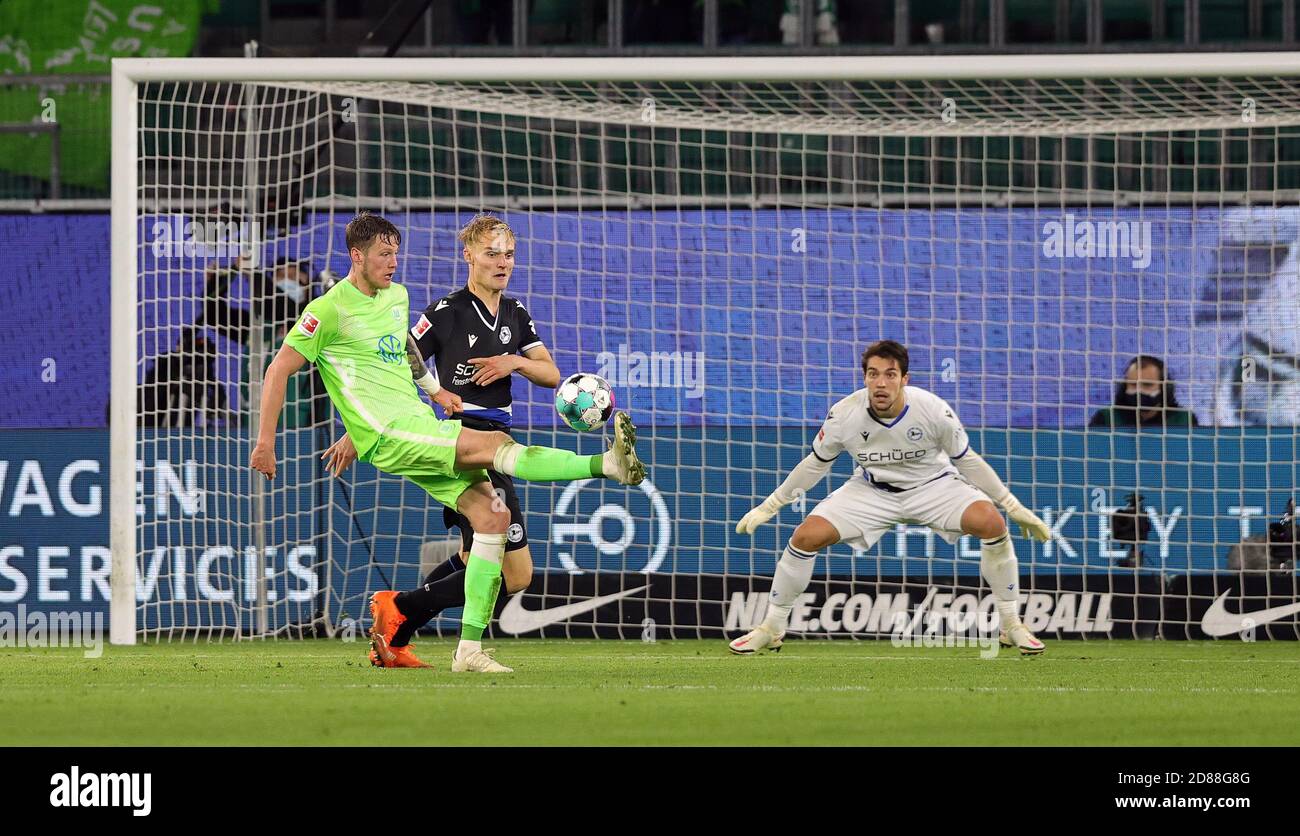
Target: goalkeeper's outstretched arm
{"points": [[975, 470], [807, 473]]}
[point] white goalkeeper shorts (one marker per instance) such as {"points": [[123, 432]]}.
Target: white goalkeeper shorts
{"points": [[862, 513]]}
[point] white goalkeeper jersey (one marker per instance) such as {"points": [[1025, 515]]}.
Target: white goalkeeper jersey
{"points": [[916, 446]]}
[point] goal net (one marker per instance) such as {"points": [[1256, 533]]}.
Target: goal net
{"points": [[721, 239]]}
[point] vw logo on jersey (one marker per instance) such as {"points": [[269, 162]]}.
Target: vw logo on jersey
{"points": [[397, 315], [390, 349], [505, 334], [914, 434], [599, 551]]}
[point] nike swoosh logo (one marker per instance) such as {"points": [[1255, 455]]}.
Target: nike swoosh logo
{"points": [[1217, 621], [515, 619], [440, 305]]}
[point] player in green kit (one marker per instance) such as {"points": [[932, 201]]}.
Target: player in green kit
{"points": [[356, 335]]}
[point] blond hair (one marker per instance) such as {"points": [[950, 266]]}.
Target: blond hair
{"points": [[483, 226]]}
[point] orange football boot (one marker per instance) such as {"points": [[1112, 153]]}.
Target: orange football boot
{"points": [[387, 618], [383, 656], [385, 615]]}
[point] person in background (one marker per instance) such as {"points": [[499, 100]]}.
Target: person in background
{"points": [[181, 388], [1144, 398], [277, 298]]}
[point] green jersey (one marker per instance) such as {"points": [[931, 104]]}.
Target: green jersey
{"points": [[358, 343]]}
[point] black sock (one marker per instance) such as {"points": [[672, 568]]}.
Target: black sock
{"points": [[421, 604], [442, 570]]}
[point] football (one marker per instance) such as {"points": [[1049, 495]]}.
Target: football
{"points": [[585, 401]]}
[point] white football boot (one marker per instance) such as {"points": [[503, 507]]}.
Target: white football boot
{"points": [[1020, 637], [755, 640], [622, 464], [477, 661]]}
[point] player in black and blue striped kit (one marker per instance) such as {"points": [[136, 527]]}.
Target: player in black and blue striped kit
{"points": [[478, 338]]}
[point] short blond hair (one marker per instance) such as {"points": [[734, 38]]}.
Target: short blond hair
{"points": [[482, 226]]}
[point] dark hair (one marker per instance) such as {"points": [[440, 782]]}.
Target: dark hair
{"points": [[365, 228], [1168, 383], [890, 350]]}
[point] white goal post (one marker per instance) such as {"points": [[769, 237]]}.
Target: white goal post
{"points": [[1026, 223]]}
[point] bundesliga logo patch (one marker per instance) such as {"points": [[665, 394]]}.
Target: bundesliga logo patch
{"points": [[421, 327], [308, 324]]}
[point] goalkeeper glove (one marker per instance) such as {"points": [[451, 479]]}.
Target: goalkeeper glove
{"points": [[760, 514], [1030, 524]]}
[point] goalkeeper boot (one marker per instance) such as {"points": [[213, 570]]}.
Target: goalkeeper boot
{"points": [[1020, 637], [477, 661], [621, 461], [755, 640]]}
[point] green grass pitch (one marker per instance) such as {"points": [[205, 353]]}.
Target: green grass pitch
{"points": [[670, 692]]}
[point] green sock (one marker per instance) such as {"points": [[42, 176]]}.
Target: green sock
{"points": [[482, 583], [548, 464]]}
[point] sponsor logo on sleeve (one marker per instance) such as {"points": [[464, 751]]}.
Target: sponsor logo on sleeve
{"points": [[308, 324], [422, 327]]}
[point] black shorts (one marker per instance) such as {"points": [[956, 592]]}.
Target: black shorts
{"points": [[516, 534]]}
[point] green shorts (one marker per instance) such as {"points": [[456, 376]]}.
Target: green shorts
{"points": [[423, 449]]}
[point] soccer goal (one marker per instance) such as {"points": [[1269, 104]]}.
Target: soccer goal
{"points": [[720, 238]]}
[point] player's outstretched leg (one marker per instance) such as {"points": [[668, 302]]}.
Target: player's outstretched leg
{"points": [[1000, 569], [793, 572], [498, 451]]}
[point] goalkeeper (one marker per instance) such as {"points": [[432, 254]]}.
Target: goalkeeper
{"points": [[914, 465], [356, 334]]}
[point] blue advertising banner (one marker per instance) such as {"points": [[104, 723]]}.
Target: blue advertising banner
{"points": [[330, 542], [1020, 317]]}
